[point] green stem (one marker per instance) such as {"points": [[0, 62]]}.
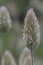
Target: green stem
{"points": [[32, 55]]}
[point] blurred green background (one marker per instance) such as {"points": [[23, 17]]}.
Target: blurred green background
{"points": [[12, 40]]}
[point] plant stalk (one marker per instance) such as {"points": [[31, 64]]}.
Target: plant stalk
{"points": [[32, 55]]}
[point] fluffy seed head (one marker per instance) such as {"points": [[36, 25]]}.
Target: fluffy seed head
{"points": [[5, 21], [8, 59], [31, 35], [25, 57]]}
